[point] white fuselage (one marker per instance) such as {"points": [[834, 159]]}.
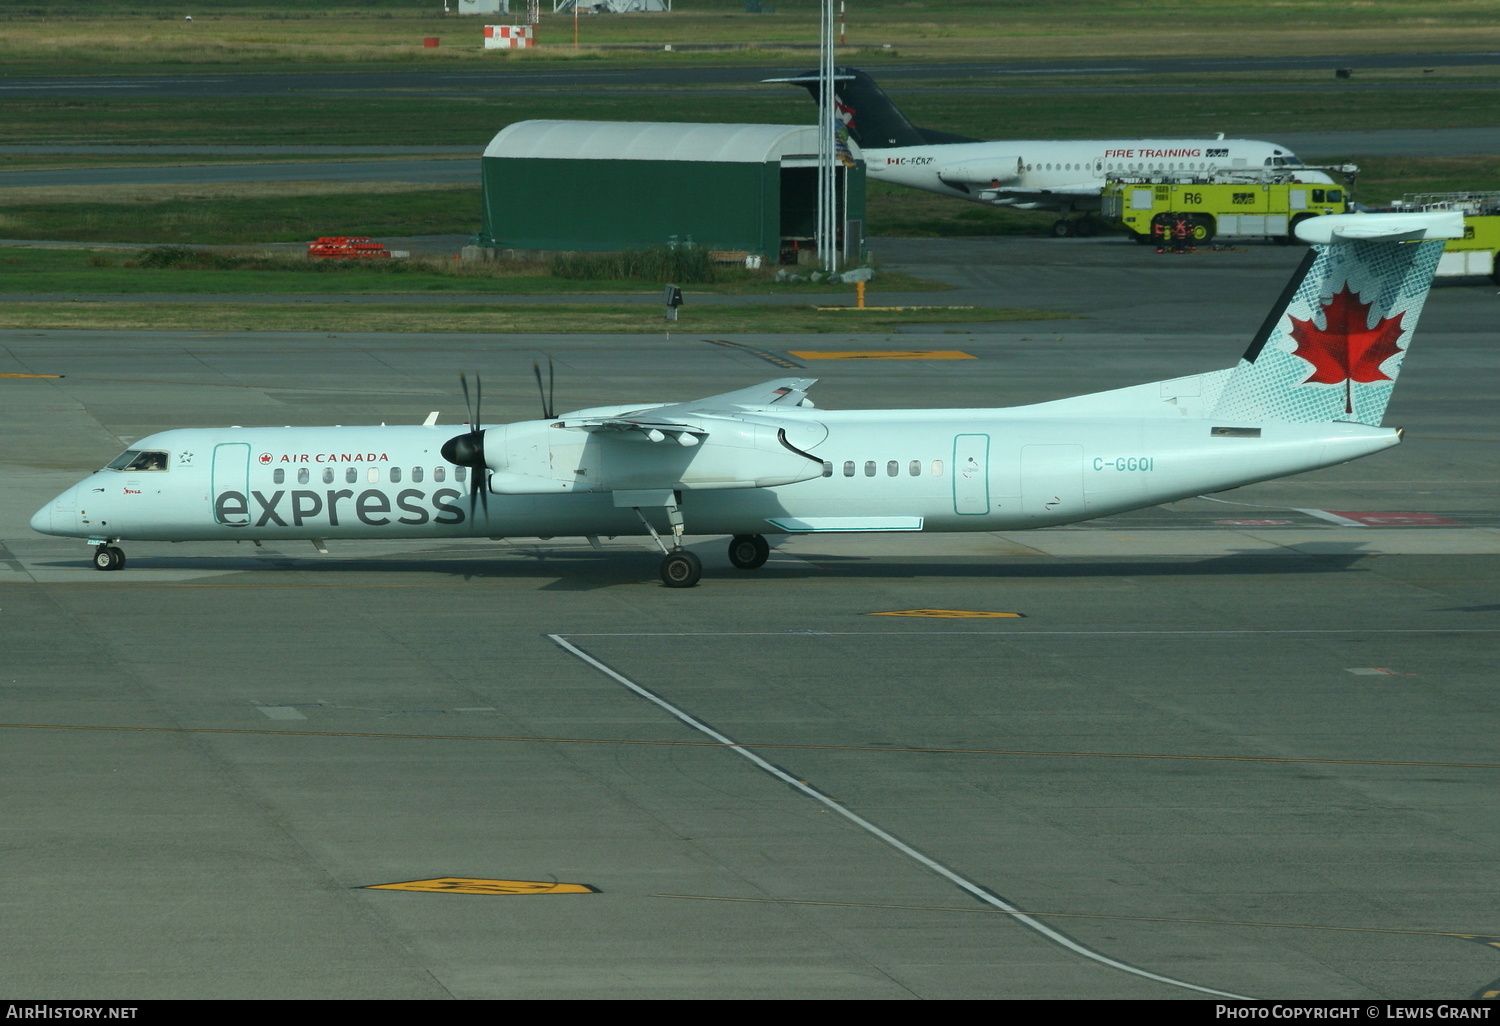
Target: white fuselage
{"points": [[883, 470], [1057, 174]]}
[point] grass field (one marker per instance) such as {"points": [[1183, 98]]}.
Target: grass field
{"points": [[527, 319], [294, 212], [73, 36], [1170, 109], [82, 271]]}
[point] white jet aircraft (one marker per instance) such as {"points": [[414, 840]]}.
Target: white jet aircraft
{"points": [[1309, 392], [1065, 175]]}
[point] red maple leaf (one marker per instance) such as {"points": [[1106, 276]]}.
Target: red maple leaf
{"points": [[1347, 350]]}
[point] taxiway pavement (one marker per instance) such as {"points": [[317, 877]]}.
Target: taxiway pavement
{"points": [[1231, 748]]}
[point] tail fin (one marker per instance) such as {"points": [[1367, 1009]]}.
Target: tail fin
{"points": [[1331, 348], [872, 119]]}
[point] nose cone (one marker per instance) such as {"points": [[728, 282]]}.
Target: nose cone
{"points": [[60, 516]]}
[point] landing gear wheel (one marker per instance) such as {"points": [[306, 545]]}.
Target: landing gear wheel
{"points": [[1061, 229], [1086, 228], [749, 551], [108, 557], [681, 569]]}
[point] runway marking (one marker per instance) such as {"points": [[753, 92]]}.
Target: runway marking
{"points": [[282, 712], [949, 614], [881, 354], [1099, 915], [471, 885], [1376, 671], [30, 375], [883, 749], [981, 893], [771, 358]]}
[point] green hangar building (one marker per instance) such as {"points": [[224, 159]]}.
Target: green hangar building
{"points": [[611, 185]]}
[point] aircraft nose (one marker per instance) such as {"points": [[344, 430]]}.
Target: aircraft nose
{"points": [[60, 516]]}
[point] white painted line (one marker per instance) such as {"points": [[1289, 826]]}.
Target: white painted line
{"points": [[281, 712], [1012, 635], [941, 870]]}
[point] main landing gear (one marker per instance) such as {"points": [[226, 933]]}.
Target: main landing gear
{"points": [[679, 567], [108, 557], [749, 551]]}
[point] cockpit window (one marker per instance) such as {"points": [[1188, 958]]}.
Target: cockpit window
{"points": [[137, 460]]}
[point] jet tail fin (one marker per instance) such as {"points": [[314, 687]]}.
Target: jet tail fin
{"points": [[872, 119], [1332, 346]]}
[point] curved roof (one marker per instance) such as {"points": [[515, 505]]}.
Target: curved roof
{"points": [[652, 140]]}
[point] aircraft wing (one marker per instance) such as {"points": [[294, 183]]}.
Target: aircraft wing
{"points": [[684, 422], [781, 392], [1085, 189]]}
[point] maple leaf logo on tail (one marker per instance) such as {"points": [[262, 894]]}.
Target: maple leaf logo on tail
{"points": [[1347, 349]]}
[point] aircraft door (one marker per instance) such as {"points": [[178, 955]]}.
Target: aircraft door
{"points": [[1052, 480], [971, 474], [231, 473]]}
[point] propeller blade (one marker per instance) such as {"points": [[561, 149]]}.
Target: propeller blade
{"points": [[546, 391], [463, 379]]}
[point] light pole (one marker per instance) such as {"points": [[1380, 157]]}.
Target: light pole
{"points": [[828, 209]]}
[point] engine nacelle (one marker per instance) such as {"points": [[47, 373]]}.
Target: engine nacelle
{"points": [[536, 457], [990, 170]]}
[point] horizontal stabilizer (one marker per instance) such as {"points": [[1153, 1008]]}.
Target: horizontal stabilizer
{"points": [[1435, 224]]}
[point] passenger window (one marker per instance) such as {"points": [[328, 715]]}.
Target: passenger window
{"points": [[459, 473], [328, 475], [937, 468], [869, 468], [351, 475], [416, 475], [373, 475], [438, 473], [915, 468], [302, 475], [278, 476], [893, 468], [395, 475], [827, 469], [848, 468]]}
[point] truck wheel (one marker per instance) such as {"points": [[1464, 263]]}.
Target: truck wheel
{"points": [[1203, 228], [1291, 230]]}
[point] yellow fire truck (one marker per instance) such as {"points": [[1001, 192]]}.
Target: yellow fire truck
{"points": [[1250, 204], [1475, 253]]}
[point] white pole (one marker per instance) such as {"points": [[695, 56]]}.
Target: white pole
{"points": [[827, 231]]}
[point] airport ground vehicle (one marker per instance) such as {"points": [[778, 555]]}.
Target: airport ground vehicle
{"points": [[1253, 203], [1476, 252]]}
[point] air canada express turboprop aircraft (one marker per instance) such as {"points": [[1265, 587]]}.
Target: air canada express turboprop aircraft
{"points": [[1309, 392], [1065, 175]]}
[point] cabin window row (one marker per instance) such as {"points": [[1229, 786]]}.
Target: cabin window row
{"points": [[372, 475], [892, 468]]}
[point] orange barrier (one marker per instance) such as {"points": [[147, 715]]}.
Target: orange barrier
{"points": [[344, 247]]}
